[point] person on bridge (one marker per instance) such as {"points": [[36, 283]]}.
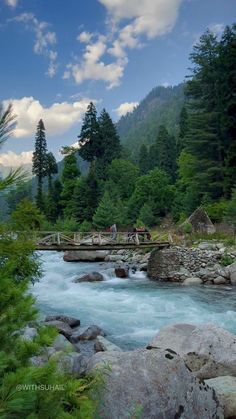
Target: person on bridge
{"points": [[113, 230]]}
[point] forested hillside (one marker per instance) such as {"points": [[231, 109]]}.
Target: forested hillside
{"points": [[161, 106]]}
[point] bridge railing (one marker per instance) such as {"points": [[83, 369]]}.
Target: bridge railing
{"points": [[93, 238]]}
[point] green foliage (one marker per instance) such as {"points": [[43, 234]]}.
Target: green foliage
{"points": [[230, 213], [85, 226], [26, 216], [7, 122], [106, 213], [187, 228], [122, 177], [89, 138], [147, 216], [144, 160], [217, 210], [66, 224], [226, 260], [163, 152], [17, 194], [70, 175], [153, 189]]}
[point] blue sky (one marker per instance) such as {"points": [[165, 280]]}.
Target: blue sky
{"points": [[57, 55]]}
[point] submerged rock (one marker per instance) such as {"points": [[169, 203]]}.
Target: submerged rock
{"points": [[71, 321], [208, 350], [85, 255], [90, 277], [122, 271], [152, 384], [225, 388]]}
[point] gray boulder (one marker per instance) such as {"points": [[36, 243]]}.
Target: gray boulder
{"points": [[73, 363], [225, 388], [192, 281], [219, 280], [28, 333], [62, 327], [71, 321], [85, 255], [208, 350], [232, 273], [90, 277], [88, 334], [62, 344], [152, 384], [102, 345], [122, 271]]}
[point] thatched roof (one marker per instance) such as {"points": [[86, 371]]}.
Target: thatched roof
{"points": [[200, 222]]}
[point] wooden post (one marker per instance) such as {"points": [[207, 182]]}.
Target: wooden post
{"points": [[99, 239], [58, 239], [136, 239]]}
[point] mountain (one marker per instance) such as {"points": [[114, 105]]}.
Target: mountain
{"points": [[161, 106]]}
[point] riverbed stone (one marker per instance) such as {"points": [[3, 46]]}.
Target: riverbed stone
{"points": [[208, 350], [152, 384], [219, 280], [232, 273], [62, 344], [85, 255], [71, 321], [192, 281], [225, 388], [122, 271], [90, 277], [102, 345], [72, 363], [90, 333], [62, 327]]}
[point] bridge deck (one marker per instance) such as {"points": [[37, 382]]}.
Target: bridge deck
{"points": [[113, 246]]}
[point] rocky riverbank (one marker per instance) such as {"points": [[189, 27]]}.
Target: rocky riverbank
{"points": [[186, 370], [201, 264]]}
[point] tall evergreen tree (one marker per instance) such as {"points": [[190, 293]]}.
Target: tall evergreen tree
{"points": [[89, 138], [144, 161], [52, 168], [106, 213], [40, 161], [69, 178]]}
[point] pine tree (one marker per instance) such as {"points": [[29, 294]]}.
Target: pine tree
{"points": [[183, 129], [230, 215], [89, 138], [143, 161], [69, 178], [40, 161], [86, 196], [52, 169], [105, 214]]}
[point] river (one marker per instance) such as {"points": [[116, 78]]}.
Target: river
{"points": [[131, 311]]}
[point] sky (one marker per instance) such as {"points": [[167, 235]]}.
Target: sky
{"points": [[58, 55]]}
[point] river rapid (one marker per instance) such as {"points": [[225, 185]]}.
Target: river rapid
{"points": [[131, 311]]}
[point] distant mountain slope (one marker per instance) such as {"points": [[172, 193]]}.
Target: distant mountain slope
{"points": [[161, 106]]}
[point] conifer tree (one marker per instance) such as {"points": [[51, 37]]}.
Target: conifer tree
{"points": [[105, 214], [52, 168], [40, 161], [144, 161], [86, 196], [69, 178], [89, 138]]}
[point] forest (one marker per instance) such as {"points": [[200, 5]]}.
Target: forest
{"points": [[174, 153]]}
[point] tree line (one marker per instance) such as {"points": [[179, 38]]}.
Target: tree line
{"points": [[175, 174]]}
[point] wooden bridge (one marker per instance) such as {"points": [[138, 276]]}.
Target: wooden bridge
{"points": [[52, 240]]}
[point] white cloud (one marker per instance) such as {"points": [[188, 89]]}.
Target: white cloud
{"points": [[58, 118], [129, 23], [84, 37], [12, 159], [11, 3], [126, 107], [44, 41], [217, 28]]}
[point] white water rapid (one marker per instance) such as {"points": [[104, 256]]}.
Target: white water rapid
{"points": [[131, 311]]}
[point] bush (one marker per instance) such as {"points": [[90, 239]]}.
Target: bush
{"points": [[226, 260], [85, 227], [66, 225], [217, 210], [187, 228]]}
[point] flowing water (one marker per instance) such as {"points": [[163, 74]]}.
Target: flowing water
{"points": [[131, 311]]}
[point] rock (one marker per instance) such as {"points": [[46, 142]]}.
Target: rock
{"points": [[207, 246], [85, 255], [113, 258], [62, 344], [89, 334], [122, 272], [225, 388], [90, 277], [232, 273], [219, 280], [37, 361], [208, 350], [143, 267], [161, 262], [73, 363], [28, 333], [62, 327], [71, 321], [192, 281], [102, 345], [152, 384]]}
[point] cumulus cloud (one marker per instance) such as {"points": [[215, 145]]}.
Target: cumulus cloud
{"points": [[45, 40], [217, 28], [58, 118], [130, 24], [11, 3], [126, 107], [12, 159]]}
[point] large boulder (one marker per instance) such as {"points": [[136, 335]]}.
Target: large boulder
{"points": [[152, 384], [71, 321], [62, 344], [103, 345], [225, 388], [62, 327], [208, 350], [88, 334], [72, 363], [192, 281], [90, 277], [85, 255], [232, 273]]}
